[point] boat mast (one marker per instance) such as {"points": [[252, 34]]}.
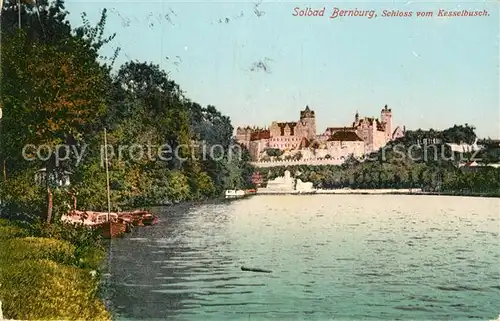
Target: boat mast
{"points": [[110, 252], [107, 172], [19, 13]]}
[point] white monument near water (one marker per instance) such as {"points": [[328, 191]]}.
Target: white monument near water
{"points": [[287, 185]]}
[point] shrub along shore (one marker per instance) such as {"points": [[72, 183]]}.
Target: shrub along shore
{"points": [[50, 272]]}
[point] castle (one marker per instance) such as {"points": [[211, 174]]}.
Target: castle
{"points": [[363, 136]]}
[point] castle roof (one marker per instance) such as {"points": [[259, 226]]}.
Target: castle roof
{"points": [[386, 109], [307, 113], [304, 143], [371, 122], [345, 136], [291, 125], [335, 129], [261, 134], [397, 129], [380, 126]]}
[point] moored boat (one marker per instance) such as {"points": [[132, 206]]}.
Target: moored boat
{"points": [[139, 218], [232, 193], [238, 193], [149, 219], [112, 229], [110, 225], [120, 222]]}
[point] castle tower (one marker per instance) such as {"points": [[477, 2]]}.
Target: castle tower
{"points": [[308, 117], [243, 135], [386, 117]]}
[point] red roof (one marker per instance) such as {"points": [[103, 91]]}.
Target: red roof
{"points": [[345, 136], [334, 129], [261, 134]]}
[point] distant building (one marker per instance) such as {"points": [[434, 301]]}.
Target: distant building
{"points": [[363, 136]]}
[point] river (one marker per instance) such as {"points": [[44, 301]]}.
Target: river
{"points": [[363, 257]]}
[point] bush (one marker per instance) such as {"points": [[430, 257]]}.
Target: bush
{"points": [[42, 289], [90, 257], [34, 248], [22, 199], [274, 152], [9, 231], [76, 234], [89, 251]]}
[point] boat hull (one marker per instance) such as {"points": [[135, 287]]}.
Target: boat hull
{"points": [[110, 230], [121, 222]]}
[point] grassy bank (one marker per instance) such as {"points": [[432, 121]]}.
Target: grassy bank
{"points": [[50, 273]]}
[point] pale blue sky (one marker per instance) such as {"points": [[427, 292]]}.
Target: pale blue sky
{"points": [[432, 72]]}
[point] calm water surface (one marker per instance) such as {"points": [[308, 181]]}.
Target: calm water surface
{"points": [[333, 256]]}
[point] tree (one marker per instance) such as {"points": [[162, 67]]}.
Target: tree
{"points": [[55, 93]]}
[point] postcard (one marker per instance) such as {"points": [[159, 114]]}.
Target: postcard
{"points": [[249, 160]]}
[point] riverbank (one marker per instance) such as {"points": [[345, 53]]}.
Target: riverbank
{"points": [[403, 191], [39, 263], [50, 272]]}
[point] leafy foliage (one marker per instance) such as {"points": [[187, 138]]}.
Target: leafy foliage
{"points": [[273, 152], [58, 90], [69, 96]]}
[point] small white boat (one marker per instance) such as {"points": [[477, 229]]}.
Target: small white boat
{"points": [[232, 193], [88, 218]]}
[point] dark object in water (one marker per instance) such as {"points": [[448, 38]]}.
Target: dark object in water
{"points": [[255, 270]]}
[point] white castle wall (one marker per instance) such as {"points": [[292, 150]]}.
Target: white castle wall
{"points": [[263, 164], [284, 183]]}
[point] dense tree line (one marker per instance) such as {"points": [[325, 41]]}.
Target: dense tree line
{"points": [[57, 90], [458, 134]]}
